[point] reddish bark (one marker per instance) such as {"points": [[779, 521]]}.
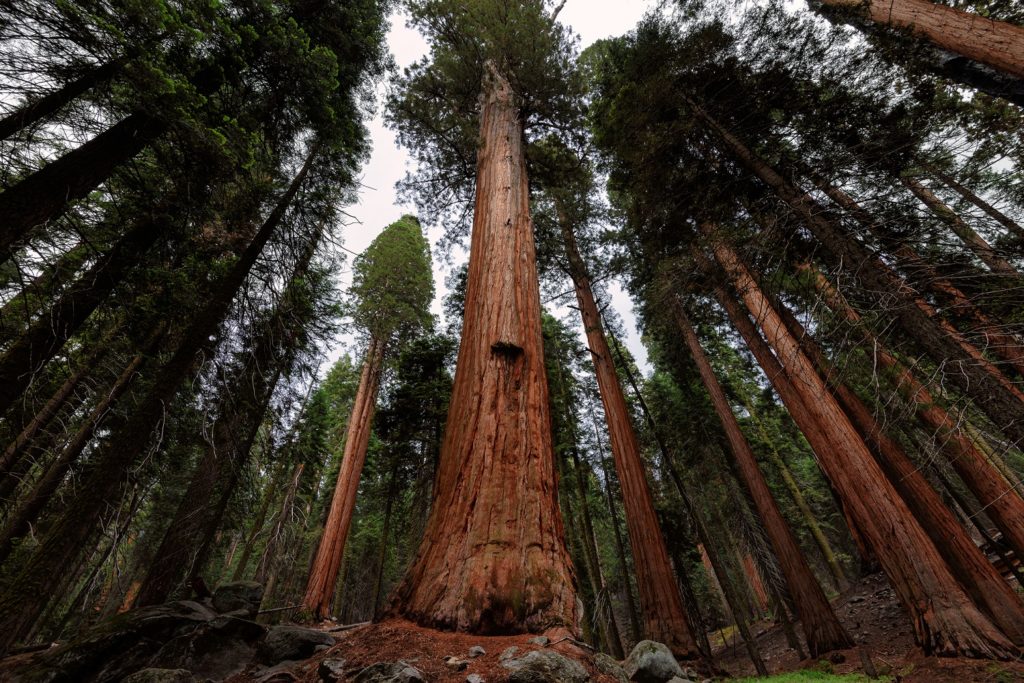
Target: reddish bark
{"points": [[998, 44], [661, 605], [493, 557], [323, 574], [946, 621], [821, 627], [1005, 345]]}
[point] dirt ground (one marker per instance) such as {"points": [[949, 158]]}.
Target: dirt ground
{"points": [[879, 625]]}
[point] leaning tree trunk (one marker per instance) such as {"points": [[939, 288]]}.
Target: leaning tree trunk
{"points": [[1001, 400], [41, 109], [17, 313], [821, 627], [48, 334], [323, 574], [493, 557], [946, 621], [968, 235], [661, 606], [996, 44], [1002, 343], [1002, 504], [971, 196], [22, 599], [46, 194]]}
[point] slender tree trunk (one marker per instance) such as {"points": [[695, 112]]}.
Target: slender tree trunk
{"points": [[385, 532], [661, 606], [838, 575], [46, 106], [17, 447], [23, 599], [489, 561], [821, 627], [269, 496], [1002, 503], [975, 242], [965, 192], [46, 194], [972, 373], [37, 499], [945, 619], [16, 315], [323, 575], [997, 44], [1005, 345], [277, 531], [47, 336]]}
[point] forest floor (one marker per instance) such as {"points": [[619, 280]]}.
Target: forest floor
{"points": [[875, 620]]}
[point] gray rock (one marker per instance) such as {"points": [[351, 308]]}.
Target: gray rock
{"points": [[545, 666], [539, 640], [607, 665], [474, 678], [331, 670], [456, 664], [287, 641], [160, 676], [477, 651], [240, 595], [389, 672], [508, 653], [651, 662], [282, 673]]}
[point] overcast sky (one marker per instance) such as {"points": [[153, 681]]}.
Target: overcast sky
{"points": [[378, 204]]}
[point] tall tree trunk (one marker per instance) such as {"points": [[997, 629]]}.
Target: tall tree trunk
{"points": [[838, 575], [46, 194], [269, 496], [946, 621], [46, 106], [997, 44], [323, 575], [385, 532], [17, 447], [1002, 503], [1004, 344], [975, 242], [635, 633], [972, 373], [23, 600], [965, 192], [47, 336], [661, 606], [16, 315], [821, 627], [489, 561], [277, 531]]}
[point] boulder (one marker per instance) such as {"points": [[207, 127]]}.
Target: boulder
{"points": [[477, 651], [545, 666], [331, 670], [539, 640], [651, 662], [290, 642], [160, 676], [508, 653], [474, 678], [610, 667], [389, 672], [240, 595]]}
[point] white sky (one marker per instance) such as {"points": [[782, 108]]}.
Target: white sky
{"points": [[378, 205]]}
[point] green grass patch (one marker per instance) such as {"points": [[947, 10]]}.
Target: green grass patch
{"points": [[810, 676]]}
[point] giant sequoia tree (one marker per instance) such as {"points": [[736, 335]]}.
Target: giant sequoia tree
{"points": [[392, 289], [490, 561]]}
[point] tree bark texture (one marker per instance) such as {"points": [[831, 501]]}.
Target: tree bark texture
{"points": [[323, 575], [493, 558], [946, 621], [969, 369], [997, 44], [661, 606], [821, 627]]}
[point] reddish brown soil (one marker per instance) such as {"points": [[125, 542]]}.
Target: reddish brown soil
{"points": [[879, 625], [427, 649]]}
